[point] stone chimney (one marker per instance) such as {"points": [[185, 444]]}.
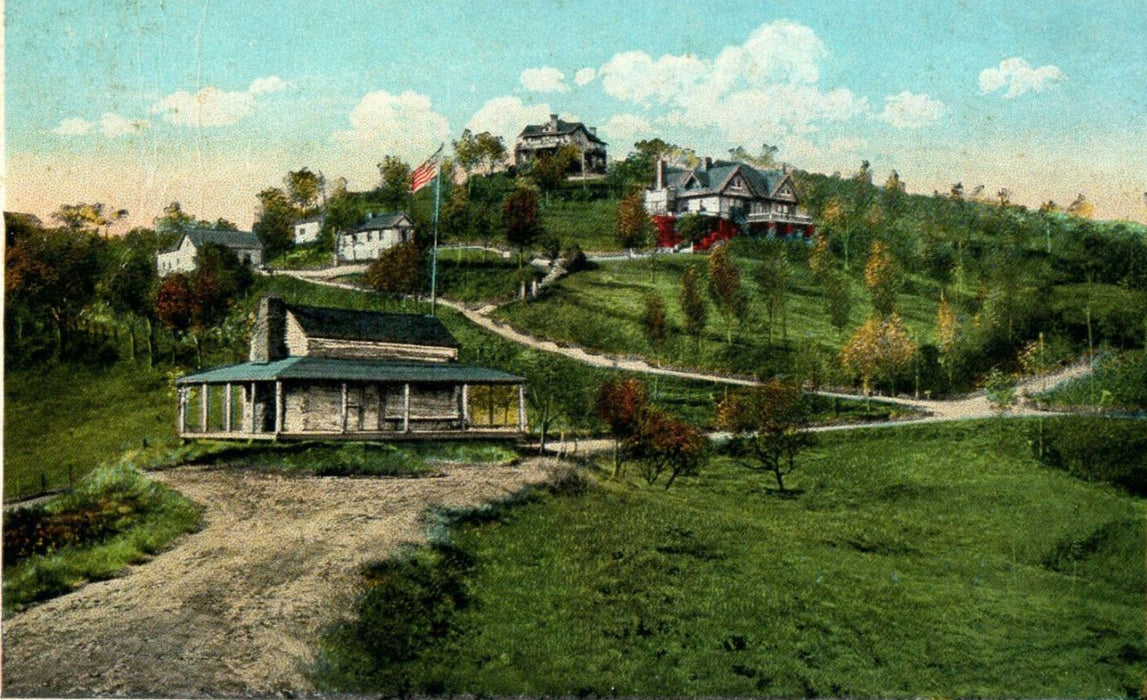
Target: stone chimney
{"points": [[553, 122], [708, 162], [661, 177], [269, 336], [593, 130]]}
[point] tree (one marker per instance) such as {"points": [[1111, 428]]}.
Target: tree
{"points": [[767, 159], [634, 227], [304, 188], [394, 186], [466, 153], [173, 224], [398, 272], [772, 278], [693, 306], [1001, 392], [880, 349], [128, 281], [881, 277], [491, 150], [1081, 207], [768, 425], [88, 217], [550, 169], [947, 336], [726, 290], [837, 300], [274, 220], [522, 219], [621, 404], [694, 227], [663, 443], [655, 323]]}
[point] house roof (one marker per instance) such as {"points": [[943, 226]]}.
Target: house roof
{"points": [[762, 183], [559, 127], [379, 222], [373, 326], [230, 239], [320, 368]]}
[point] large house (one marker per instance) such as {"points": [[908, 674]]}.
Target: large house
{"points": [[321, 373], [378, 233], [538, 140], [182, 256], [765, 200]]}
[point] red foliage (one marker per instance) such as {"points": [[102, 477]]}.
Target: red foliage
{"points": [[621, 404], [174, 301]]}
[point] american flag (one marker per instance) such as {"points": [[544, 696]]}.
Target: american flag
{"points": [[424, 173]]}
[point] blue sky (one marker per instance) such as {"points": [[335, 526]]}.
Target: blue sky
{"points": [[141, 103]]}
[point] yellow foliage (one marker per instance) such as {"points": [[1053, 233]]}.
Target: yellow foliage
{"points": [[879, 349]]}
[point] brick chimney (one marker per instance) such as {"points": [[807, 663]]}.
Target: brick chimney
{"points": [[708, 162], [269, 336], [661, 178]]}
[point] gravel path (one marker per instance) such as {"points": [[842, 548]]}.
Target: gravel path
{"points": [[237, 608]]}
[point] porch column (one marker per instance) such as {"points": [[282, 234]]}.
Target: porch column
{"points": [[406, 408], [344, 410], [521, 408], [227, 408], [465, 406], [182, 401], [278, 407], [203, 407], [251, 403]]}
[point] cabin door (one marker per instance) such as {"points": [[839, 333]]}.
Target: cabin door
{"points": [[355, 400]]}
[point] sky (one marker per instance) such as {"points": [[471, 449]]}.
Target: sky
{"points": [[137, 104]]}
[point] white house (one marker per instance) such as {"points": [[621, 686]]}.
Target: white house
{"points": [[538, 140], [307, 230], [182, 257], [378, 233]]}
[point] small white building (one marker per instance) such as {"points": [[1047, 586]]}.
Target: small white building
{"points": [[306, 230], [183, 256], [378, 233]]}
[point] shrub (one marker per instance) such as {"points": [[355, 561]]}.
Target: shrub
{"points": [[1097, 449]]}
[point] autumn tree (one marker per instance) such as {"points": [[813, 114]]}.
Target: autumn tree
{"points": [[634, 227], [397, 273], [693, 307], [661, 443], [726, 290], [655, 323], [882, 279], [769, 426], [89, 217], [621, 404], [947, 336], [879, 350], [1081, 207], [521, 218]]}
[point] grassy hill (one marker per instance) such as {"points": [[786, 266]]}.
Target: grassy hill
{"points": [[922, 561]]}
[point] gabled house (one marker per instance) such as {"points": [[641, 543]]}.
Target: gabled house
{"points": [[306, 230], [322, 373], [379, 232], [765, 200], [538, 140], [182, 256]]}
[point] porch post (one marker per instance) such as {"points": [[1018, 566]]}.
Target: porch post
{"points": [[344, 410], [278, 407], [203, 407], [406, 407], [251, 403], [465, 406], [182, 410], [227, 408], [521, 408], [490, 404]]}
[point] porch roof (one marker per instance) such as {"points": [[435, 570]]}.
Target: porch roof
{"points": [[322, 368]]}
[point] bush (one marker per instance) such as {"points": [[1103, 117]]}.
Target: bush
{"points": [[1108, 450]]}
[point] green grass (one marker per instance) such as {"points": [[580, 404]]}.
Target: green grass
{"points": [[67, 419], [601, 309], [475, 275], [137, 518], [928, 560], [590, 225], [1119, 382], [302, 258]]}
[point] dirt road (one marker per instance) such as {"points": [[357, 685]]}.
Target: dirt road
{"points": [[238, 607]]}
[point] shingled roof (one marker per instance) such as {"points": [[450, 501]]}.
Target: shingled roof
{"points": [[762, 183], [230, 239], [381, 221], [558, 127], [374, 326], [351, 370]]}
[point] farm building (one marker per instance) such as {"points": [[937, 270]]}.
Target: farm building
{"points": [[538, 140], [765, 200], [335, 373], [182, 256], [379, 232]]}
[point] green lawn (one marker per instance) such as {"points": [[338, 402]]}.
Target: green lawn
{"points": [[590, 225], [928, 560], [601, 309], [1119, 382]]}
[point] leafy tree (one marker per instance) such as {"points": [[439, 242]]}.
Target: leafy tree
{"points": [[694, 227], [491, 150], [553, 394], [621, 404], [693, 307], [772, 279], [398, 272], [521, 218], [88, 217], [128, 281], [1001, 392], [768, 425], [634, 227], [880, 349], [655, 323], [173, 224], [882, 279], [663, 443], [767, 158], [466, 153], [394, 187], [820, 259], [550, 169], [837, 300], [947, 337], [304, 188], [726, 289], [274, 220]]}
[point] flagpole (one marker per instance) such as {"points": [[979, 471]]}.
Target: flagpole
{"points": [[434, 251]]}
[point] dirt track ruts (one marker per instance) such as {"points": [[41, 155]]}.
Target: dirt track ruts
{"points": [[238, 607]]}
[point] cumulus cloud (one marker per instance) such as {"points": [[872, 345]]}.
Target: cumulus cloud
{"points": [[1018, 76], [405, 124], [505, 117], [585, 76], [110, 125], [625, 129], [214, 107], [911, 111], [544, 79], [764, 88]]}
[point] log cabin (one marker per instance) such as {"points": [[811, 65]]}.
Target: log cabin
{"points": [[324, 373]]}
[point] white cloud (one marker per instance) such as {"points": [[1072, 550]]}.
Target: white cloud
{"points": [[634, 76], [781, 51], [208, 107], [911, 111], [506, 117], [73, 126], [544, 79], [623, 130], [405, 124], [585, 76], [264, 86], [110, 125], [1018, 76]]}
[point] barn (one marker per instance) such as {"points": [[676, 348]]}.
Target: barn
{"points": [[323, 373]]}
